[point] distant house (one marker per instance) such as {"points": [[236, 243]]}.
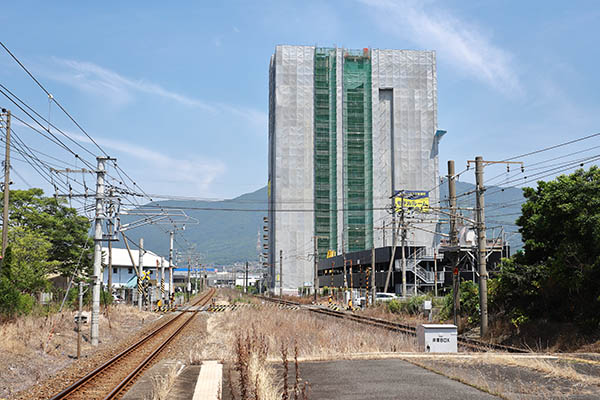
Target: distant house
{"points": [[123, 272]]}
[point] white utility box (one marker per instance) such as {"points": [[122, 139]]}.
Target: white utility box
{"points": [[437, 338]]}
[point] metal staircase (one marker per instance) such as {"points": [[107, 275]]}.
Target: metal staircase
{"points": [[412, 265]]}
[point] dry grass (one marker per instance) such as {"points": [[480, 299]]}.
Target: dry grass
{"points": [[315, 336], [551, 368], [253, 340], [161, 385], [514, 377], [35, 347]]}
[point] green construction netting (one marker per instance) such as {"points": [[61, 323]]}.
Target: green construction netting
{"points": [[325, 150], [358, 163]]}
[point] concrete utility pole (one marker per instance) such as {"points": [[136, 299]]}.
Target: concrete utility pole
{"points": [[481, 245], [316, 270], [481, 239], [280, 273], [373, 282], [141, 267], [435, 274], [162, 282], [171, 288], [6, 185], [453, 241], [246, 279], [101, 171], [189, 283], [110, 234], [79, 316], [402, 223], [395, 232]]}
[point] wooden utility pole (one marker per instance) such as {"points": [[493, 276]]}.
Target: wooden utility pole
{"points": [[6, 189]]}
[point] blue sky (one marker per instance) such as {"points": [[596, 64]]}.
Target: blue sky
{"points": [[178, 91]]}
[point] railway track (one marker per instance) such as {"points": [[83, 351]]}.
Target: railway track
{"points": [[118, 374], [470, 343]]}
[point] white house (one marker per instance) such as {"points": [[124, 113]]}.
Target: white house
{"points": [[123, 271]]}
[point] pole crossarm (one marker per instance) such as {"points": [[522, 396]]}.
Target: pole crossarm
{"points": [[150, 216]]}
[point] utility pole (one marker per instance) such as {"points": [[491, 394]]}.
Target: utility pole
{"points": [[171, 288], [415, 266], [373, 282], [481, 245], [435, 274], [6, 184], [394, 243], [79, 316], [316, 270], [189, 283], [141, 268], [481, 239], [162, 282], [454, 242], [280, 273], [246, 279], [402, 223], [110, 234], [101, 171]]}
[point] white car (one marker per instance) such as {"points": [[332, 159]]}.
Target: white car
{"points": [[382, 296]]}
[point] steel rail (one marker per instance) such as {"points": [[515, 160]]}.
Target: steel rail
{"points": [[397, 327], [122, 355]]}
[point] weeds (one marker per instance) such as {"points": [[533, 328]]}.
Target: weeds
{"points": [[161, 385]]}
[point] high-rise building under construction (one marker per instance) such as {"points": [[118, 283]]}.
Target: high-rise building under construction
{"points": [[347, 130]]}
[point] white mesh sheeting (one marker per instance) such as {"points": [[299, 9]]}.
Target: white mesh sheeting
{"points": [[411, 76], [293, 164]]}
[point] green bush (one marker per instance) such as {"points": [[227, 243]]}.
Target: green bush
{"points": [[325, 291], [394, 306], [469, 303], [12, 301]]}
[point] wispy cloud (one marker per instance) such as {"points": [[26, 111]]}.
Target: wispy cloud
{"points": [[92, 78], [458, 42], [198, 173]]}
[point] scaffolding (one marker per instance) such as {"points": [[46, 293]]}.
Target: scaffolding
{"points": [[325, 150], [358, 158]]}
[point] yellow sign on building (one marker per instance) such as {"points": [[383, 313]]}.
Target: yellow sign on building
{"points": [[331, 253], [412, 200]]}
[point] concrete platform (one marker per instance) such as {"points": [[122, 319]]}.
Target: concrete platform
{"points": [[210, 381], [380, 379]]}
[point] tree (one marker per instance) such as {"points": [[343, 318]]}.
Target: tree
{"points": [[27, 265], [556, 275], [66, 231]]}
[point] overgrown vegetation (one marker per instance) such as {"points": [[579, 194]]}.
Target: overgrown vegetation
{"points": [[554, 278], [45, 238]]}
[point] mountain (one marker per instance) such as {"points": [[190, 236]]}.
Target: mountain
{"points": [[226, 236], [502, 208], [223, 237]]}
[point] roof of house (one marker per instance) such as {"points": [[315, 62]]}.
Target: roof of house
{"points": [[120, 258]]}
